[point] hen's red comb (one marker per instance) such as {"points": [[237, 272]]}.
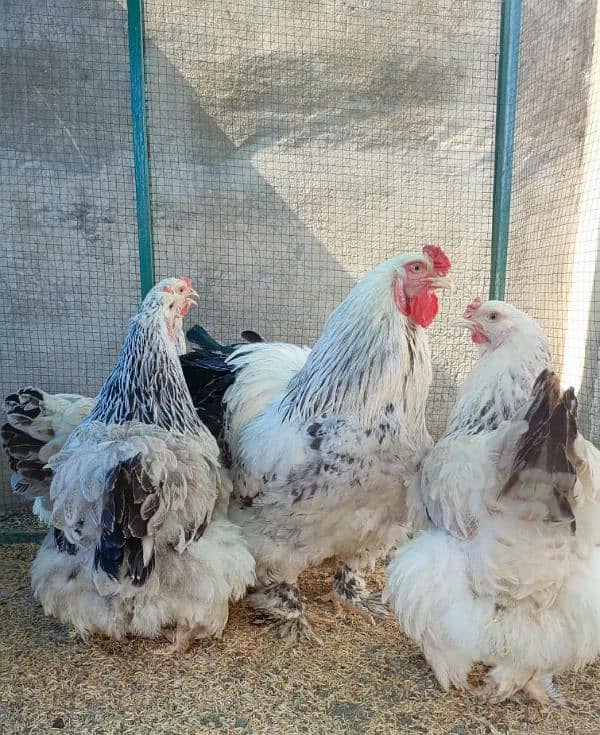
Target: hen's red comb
{"points": [[187, 280], [473, 306], [441, 262]]}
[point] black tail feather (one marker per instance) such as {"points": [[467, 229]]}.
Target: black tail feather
{"points": [[123, 525], [198, 336], [208, 375], [63, 544], [252, 337], [31, 478], [544, 447]]}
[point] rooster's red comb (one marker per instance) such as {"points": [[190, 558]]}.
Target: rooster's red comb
{"points": [[473, 306], [441, 262], [187, 280]]}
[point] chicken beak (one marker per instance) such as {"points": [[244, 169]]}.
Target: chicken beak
{"points": [[461, 322], [441, 282], [194, 293], [185, 307]]}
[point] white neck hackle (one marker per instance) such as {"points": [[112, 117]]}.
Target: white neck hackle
{"points": [[368, 356], [501, 380]]}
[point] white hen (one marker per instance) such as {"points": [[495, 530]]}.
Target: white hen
{"points": [[508, 573]]}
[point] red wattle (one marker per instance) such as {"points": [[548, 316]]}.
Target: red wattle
{"points": [[478, 338], [423, 308]]}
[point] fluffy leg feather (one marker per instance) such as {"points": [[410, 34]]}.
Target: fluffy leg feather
{"points": [[279, 608], [350, 593]]}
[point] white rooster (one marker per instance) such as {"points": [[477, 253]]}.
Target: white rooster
{"points": [[139, 501], [508, 571], [321, 441]]}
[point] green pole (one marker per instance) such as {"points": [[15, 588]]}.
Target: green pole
{"points": [[135, 28], [506, 105]]}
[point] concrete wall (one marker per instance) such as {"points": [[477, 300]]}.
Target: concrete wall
{"points": [[68, 271], [293, 146]]}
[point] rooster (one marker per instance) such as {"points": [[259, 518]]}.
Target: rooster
{"points": [[507, 570], [321, 440], [141, 540]]}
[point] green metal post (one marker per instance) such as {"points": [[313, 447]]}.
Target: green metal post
{"points": [[506, 105], [135, 24]]}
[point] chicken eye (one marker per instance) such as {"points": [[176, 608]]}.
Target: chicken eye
{"points": [[493, 316], [416, 267]]}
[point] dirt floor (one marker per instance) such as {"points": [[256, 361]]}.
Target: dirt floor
{"points": [[364, 679]]}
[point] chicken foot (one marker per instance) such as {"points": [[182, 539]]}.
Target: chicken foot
{"points": [[350, 593], [279, 608], [503, 682]]}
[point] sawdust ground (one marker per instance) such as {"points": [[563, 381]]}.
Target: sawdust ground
{"points": [[364, 679]]}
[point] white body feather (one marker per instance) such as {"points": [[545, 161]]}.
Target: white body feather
{"points": [[322, 441], [490, 579]]}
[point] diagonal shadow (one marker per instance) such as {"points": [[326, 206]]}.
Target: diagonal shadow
{"points": [[69, 274], [216, 216]]}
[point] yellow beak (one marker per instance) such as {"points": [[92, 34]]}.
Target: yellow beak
{"points": [[441, 282]]}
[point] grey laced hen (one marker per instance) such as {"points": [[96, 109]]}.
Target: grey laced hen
{"points": [[141, 540]]}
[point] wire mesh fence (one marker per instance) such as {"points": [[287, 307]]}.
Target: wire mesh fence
{"points": [[292, 147], [554, 256], [69, 270]]}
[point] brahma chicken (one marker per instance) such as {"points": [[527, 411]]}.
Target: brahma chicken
{"points": [[507, 573], [320, 441], [39, 423], [139, 501]]}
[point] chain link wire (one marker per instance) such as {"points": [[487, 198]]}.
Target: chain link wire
{"points": [[554, 255], [69, 268], [292, 147], [295, 145]]}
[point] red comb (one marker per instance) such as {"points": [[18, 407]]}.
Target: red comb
{"points": [[187, 280], [441, 262], [473, 306]]}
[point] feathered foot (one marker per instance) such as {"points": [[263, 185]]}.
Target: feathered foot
{"points": [[542, 689], [279, 608], [182, 641], [502, 683], [350, 593]]}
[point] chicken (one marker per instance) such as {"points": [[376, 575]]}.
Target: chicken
{"points": [[507, 573], [38, 426], [321, 440], [513, 350], [39, 423], [141, 540]]}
